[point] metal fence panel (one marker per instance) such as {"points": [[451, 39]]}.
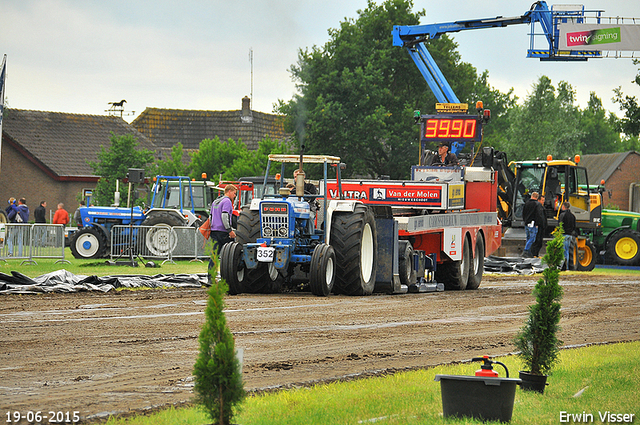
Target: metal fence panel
{"points": [[27, 241], [158, 242]]}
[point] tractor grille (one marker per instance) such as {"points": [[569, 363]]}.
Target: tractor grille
{"points": [[274, 220]]}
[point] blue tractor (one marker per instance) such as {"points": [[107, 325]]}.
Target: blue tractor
{"points": [[301, 239], [176, 201]]}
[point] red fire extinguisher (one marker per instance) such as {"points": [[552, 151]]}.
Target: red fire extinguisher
{"points": [[486, 369]]}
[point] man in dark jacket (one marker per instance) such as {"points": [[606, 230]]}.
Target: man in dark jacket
{"points": [[444, 157], [530, 224], [568, 221], [40, 213], [541, 222]]}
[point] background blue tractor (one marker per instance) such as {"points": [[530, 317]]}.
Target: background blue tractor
{"points": [[176, 201]]}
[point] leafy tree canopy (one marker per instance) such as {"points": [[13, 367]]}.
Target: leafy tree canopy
{"points": [[231, 160], [357, 93], [599, 130], [547, 123], [114, 163], [174, 165], [630, 124]]}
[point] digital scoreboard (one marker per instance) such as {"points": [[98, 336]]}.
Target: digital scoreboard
{"points": [[451, 127]]}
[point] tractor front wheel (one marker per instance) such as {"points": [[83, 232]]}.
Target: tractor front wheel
{"points": [[88, 242], [232, 268], [323, 270]]}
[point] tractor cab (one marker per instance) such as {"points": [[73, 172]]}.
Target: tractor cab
{"points": [[558, 181]]}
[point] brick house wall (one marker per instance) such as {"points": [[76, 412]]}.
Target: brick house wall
{"points": [[618, 184], [21, 178]]}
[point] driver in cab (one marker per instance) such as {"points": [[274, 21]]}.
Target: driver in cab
{"points": [[444, 158]]}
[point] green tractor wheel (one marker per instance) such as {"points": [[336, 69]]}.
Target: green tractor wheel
{"points": [[624, 247]]}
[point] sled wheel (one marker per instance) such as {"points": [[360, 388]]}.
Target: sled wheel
{"points": [[455, 274], [408, 275], [477, 265]]}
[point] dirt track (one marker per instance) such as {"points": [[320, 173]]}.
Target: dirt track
{"points": [[103, 354]]}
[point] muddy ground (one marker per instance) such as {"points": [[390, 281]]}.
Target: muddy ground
{"points": [[121, 352]]}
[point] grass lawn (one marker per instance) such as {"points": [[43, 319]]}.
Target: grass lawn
{"points": [[595, 380], [99, 267]]}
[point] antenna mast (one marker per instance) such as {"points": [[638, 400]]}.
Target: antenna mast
{"points": [[251, 61]]}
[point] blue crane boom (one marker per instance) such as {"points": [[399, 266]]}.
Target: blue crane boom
{"points": [[412, 37]]}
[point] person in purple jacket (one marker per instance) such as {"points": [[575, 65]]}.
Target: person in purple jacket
{"points": [[221, 213]]}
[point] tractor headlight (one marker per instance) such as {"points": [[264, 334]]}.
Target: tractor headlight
{"points": [[283, 232], [267, 231]]}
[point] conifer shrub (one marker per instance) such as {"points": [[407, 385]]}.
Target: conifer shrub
{"points": [[218, 378], [537, 340]]}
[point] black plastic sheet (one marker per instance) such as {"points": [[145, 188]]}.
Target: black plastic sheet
{"points": [[64, 281], [513, 265]]}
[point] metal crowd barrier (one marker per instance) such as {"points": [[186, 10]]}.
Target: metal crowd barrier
{"points": [[28, 241], [158, 242]]}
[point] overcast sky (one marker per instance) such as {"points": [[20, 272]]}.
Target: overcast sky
{"points": [[78, 55]]}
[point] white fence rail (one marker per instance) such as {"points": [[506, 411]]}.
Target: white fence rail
{"points": [[29, 241], [160, 242]]}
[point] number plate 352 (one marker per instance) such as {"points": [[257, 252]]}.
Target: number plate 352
{"points": [[265, 254]]}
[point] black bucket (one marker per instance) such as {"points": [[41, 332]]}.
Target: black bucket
{"points": [[531, 382], [487, 399]]}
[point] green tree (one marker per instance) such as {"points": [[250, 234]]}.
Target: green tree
{"points": [[547, 123], [357, 93], [630, 123], [255, 162], [500, 104], [600, 133], [215, 157], [113, 164], [174, 165], [218, 378]]}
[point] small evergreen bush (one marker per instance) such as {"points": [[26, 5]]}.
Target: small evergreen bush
{"points": [[218, 378], [537, 340]]}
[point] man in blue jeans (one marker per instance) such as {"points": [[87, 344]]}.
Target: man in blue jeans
{"points": [[568, 221], [530, 225]]}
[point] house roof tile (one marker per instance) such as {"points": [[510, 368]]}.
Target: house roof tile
{"points": [[602, 166], [63, 143], [167, 127]]}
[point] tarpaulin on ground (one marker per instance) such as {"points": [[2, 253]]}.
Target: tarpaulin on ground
{"points": [[64, 281], [513, 265]]}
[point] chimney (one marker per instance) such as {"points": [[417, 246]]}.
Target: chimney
{"points": [[247, 116]]}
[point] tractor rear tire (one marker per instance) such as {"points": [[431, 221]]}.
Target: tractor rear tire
{"points": [[587, 258], [408, 275], [353, 237], [265, 278], [624, 247], [455, 274], [232, 268], [322, 275], [88, 242], [477, 265], [160, 240]]}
